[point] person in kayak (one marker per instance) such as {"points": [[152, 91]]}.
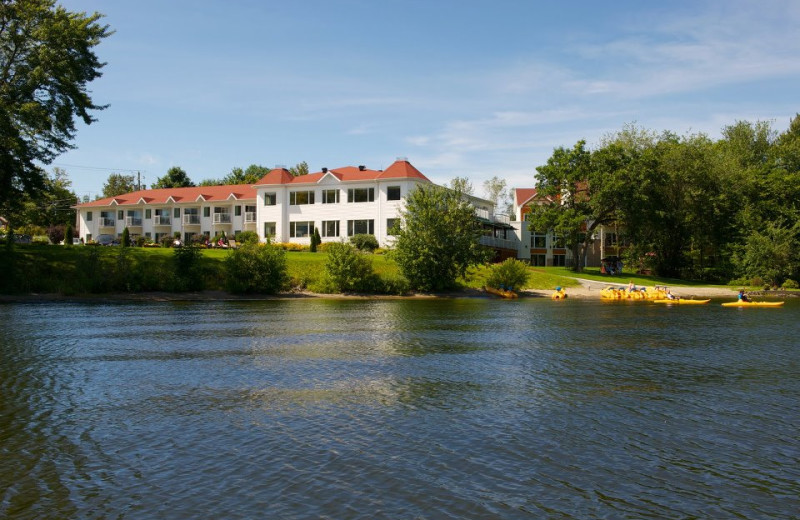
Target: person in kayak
{"points": [[670, 296], [743, 296]]}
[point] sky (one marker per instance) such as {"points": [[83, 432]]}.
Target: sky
{"points": [[460, 88]]}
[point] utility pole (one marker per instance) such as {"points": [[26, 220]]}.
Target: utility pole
{"points": [[138, 181]]}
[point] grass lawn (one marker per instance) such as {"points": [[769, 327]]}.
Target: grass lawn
{"points": [[42, 268]]}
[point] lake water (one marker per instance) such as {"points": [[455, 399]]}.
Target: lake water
{"points": [[462, 408]]}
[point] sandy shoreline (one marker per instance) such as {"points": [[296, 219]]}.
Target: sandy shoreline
{"points": [[590, 290]]}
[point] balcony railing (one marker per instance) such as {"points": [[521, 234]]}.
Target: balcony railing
{"points": [[491, 217], [191, 220], [162, 220], [502, 243], [107, 222], [133, 221], [222, 218], [250, 217]]}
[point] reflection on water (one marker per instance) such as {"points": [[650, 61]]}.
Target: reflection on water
{"points": [[462, 408]]}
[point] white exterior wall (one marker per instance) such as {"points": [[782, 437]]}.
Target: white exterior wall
{"points": [[283, 214], [95, 226]]}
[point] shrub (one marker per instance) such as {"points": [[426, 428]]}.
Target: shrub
{"points": [[348, 270], [141, 241], [167, 241], [790, 284], [510, 274], [69, 234], [186, 272], [254, 268], [315, 241], [364, 242], [126, 238], [247, 237], [55, 234]]}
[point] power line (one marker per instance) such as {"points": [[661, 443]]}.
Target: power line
{"points": [[98, 168]]}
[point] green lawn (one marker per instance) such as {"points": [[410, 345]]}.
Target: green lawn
{"points": [[41, 268]]}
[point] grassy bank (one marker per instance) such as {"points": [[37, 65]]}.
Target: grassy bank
{"points": [[85, 270]]}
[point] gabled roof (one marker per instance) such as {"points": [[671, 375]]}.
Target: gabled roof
{"points": [[169, 195], [400, 169], [523, 195]]}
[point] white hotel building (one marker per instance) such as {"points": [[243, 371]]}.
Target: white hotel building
{"points": [[339, 202]]}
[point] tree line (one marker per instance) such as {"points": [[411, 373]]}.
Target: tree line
{"points": [[685, 206]]}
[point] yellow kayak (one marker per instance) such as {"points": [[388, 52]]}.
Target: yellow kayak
{"points": [[501, 292], [740, 303], [684, 302]]}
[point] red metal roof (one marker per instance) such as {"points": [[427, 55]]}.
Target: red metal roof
{"points": [[400, 169], [523, 195], [161, 196]]}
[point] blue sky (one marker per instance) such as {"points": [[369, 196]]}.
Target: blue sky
{"points": [[463, 88]]}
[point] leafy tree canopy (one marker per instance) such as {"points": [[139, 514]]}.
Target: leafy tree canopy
{"points": [[300, 168], [119, 184], [438, 238], [174, 178], [463, 185], [47, 60]]}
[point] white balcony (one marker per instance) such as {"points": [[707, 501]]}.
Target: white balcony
{"points": [[191, 220], [222, 218], [162, 220], [500, 243], [133, 221], [107, 222], [250, 217]]}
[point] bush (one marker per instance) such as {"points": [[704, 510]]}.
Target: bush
{"points": [[186, 272], [167, 241], [510, 274], [315, 241], [255, 268], [126, 238], [364, 242], [56, 234], [790, 284], [69, 234], [141, 241], [348, 270], [247, 237]]}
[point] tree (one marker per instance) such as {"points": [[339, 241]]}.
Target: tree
{"points": [[118, 184], [51, 205], [580, 191], [495, 191], [251, 175], [47, 60], [438, 238], [174, 178], [463, 185], [300, 168]]}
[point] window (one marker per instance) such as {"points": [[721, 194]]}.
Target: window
{"points": [[393, 193], [299, 198], [269, 229], [360, 227], [538, 240], [147, 234], [559, 260], [148, 213], [120, 215], [176, 213], [88, 216], [538, 260], [390, 224], [270, 199], [88, 237], [559, 243], [330, 196], [237, 210], [207, 211], [330, 228], [301, 229], [361, 195]]}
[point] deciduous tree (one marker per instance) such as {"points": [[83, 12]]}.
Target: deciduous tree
{"points": [[119, 184], [47, 60], [174, 178]]}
